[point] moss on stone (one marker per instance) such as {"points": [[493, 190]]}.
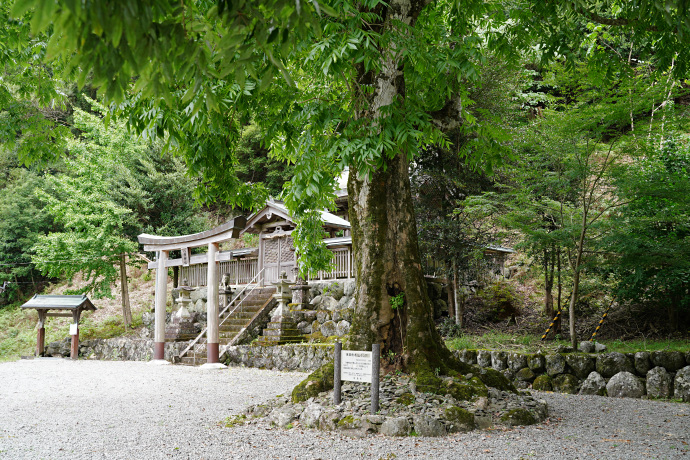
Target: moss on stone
{"points": [[318, 381], [519, 416], [235, 420], [316, 336], [565, 383], [461, 419], [542, 383], [494, 379], [347, 422], [428, 382], [525, 374], [405, 399], [467, 391]]}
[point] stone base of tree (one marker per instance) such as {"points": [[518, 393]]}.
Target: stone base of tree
{"points": [[404, 410]]}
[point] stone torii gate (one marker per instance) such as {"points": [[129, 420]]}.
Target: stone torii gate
{"points": [[163, 245]]}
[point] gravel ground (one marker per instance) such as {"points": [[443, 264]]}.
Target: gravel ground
{"points": [[54, 408]]}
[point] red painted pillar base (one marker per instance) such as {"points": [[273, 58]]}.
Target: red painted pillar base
{"points": [[158, 350], [74, 352], [212, 353], [41, 341]]}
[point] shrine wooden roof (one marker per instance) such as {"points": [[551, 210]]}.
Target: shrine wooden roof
{"points": [[277, 209]]}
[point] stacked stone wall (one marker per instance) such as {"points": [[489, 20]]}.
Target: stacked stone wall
{"points": [[298, 357], [115, 349], [657, 374]]}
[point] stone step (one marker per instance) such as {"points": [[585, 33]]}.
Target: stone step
{"points": [[245, 307], [281, 325], [278, 340], [283, 332], [234, 322]]}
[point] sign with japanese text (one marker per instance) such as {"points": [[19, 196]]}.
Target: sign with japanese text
{"points": [[355, 366]]}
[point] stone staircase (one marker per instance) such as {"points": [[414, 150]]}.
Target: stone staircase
{"points": [[230, 325]]}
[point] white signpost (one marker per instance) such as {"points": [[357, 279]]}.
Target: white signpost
{"points": [[357, 366]]}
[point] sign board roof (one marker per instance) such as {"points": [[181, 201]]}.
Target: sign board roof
{"points": [[59, 302]]}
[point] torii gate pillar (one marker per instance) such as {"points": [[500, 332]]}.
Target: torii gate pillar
{"points": [[212, 306], [159, 315]]}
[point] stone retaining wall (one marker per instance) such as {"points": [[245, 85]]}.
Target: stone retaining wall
{"points": [[298, 357], [115, 349], [657, 374]]}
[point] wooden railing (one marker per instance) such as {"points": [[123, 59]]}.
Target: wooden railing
{"points": [[241, 271], [342, 266]]}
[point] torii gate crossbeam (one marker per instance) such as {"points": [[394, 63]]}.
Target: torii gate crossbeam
{"points": [[163, 245]]}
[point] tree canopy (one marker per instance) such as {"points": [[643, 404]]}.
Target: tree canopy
{"points": [[366, 85]]}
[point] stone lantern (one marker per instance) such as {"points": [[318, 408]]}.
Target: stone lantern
{"points": [[300, 293], [226, 290], [283, 296], [281, 329], [181, 326]]}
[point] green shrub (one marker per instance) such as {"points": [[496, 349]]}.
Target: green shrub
{"points": [[498, 302], [448, 328]]}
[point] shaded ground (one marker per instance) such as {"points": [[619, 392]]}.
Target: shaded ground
{"points": [[52, 408]]}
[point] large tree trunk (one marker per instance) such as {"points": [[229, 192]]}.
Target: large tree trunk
{"points": [[557, 326], [387, 264], [384, 233]]}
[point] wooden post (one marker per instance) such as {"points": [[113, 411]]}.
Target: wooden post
{"points": [[375, 366], [41, 338], [161, 293], [336, 373], [74, 332], [212, 306], [349, 262]]}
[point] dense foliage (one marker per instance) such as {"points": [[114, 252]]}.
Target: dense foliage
{"points": [[369, 86]]}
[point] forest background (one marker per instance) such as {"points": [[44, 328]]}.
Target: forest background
{"points": [[582, 167]]}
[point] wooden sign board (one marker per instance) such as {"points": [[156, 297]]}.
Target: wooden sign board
{"points": [[355, 366], [73, 329], [185, 257]]}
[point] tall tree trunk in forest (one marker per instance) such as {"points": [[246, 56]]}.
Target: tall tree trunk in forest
{"points": [[548, 283], [126, 311], [384, 232], [576, 278], [557, 326]]}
